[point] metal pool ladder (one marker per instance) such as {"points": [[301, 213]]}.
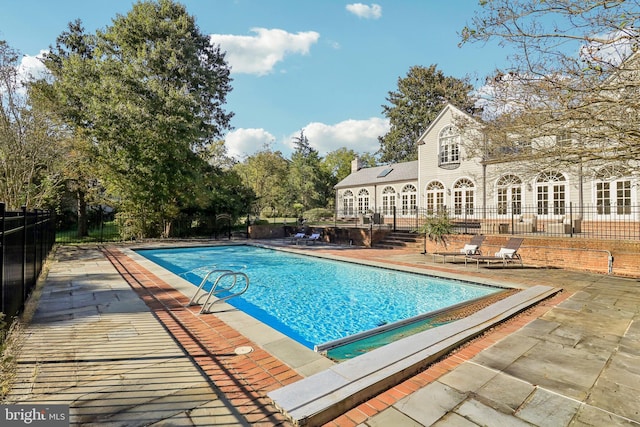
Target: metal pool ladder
{"points": [[215, 289]]}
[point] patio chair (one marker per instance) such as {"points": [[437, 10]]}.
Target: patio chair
{"points": [[471, 248], [508, 253], [314, 237], [296, 237], [527, 223]]}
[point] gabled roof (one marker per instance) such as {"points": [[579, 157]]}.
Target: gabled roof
{"points": [[448, 106], [405, 171]]}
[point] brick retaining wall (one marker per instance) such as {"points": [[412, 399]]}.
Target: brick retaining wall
{"points": [[575, 254], [538, 250]]}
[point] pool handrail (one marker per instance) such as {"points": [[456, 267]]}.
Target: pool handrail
{"points": [[205, 310], [195, 300]]}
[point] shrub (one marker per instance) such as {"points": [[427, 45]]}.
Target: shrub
{"points": [[437, 227]]}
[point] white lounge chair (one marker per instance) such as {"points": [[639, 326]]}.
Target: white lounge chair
{"points": [[296, 237], [472, 248], [508, 253], [313, 238]]}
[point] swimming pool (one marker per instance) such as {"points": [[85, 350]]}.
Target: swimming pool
{"points": [[314, 300]]}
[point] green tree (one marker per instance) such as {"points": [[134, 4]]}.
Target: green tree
{"points": [[573, 78], [226, 193], [149, 92], [265, 173], [420, 96], [309, 183], [33, 145], [337, 163], [216, 155]]}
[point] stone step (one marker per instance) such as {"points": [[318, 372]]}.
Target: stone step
{"points": [[400, 240]]}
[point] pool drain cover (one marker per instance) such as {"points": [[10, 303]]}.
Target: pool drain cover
{"points": [[244, 350]]}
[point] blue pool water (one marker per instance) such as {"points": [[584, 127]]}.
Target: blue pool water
{"points": [[314, 300]]}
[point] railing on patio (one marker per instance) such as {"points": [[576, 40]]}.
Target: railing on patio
{"points": [[598, 222], [26, 238]]}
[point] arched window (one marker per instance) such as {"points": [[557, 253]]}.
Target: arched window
{"points": [[347, 203], [613, 191], [388, 200], [551, 193], [409, 199], [463, 197], [363, 201], [509, 195], [435, 197], [449, 146]]}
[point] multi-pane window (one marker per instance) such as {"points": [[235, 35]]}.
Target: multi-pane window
{"points": [[623, 197], [603, 198], [347, 203], [449, 143], [409, 199], [551, 188], [388, 200], [613, 192], [435, 197], [509, 195], [463, 197], [363, 201]]}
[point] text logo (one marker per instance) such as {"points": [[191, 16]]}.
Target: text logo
{"points": [[34, 415]]}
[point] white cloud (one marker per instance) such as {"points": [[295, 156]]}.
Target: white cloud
{"points": [[260, 53], [245, 142], [29, 68], [358, 135], [32, 67], [365, 11]]}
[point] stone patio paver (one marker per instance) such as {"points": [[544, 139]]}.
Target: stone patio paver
{"points": [[93, 344]]}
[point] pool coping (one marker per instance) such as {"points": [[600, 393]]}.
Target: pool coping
{"points": [[320, 398]]}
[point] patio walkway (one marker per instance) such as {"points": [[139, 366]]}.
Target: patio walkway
{"points": [[113, 339]]}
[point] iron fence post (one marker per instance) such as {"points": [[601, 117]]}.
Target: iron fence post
{"points": [[571, 219], [394, 218], [101, 224], [24, 255], [2, 258], [466, 211], [513, 228], [35, 250]]}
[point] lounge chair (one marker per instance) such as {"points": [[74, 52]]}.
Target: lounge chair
{"points": [[296, 237], [471, 248], [314, 237], [508, 253]]}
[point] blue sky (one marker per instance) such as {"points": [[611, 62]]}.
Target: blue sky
{"points": [[322, 66]]}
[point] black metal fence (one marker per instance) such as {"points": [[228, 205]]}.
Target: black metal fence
{"points": [[26, 238], [598, 222], [590, 221], [118, 227]]}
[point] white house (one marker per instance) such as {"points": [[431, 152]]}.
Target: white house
{"points": [[446, 176], [378, 189]]}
